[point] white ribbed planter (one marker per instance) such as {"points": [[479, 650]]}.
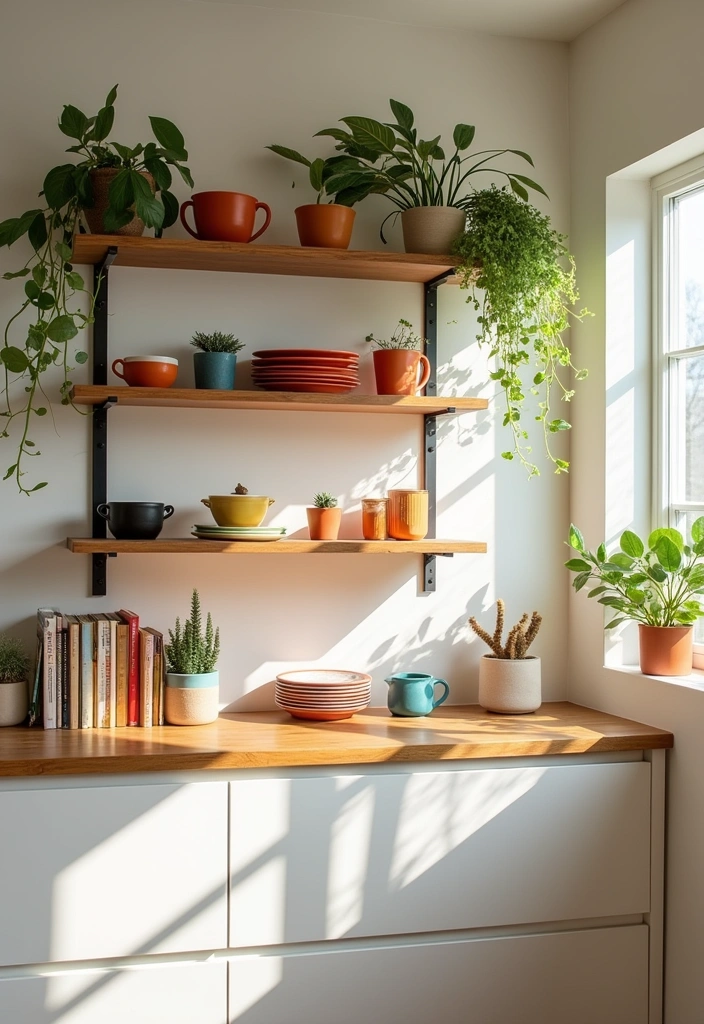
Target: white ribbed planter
{"points": [[509, 687], [13, 703], [191, 699]]}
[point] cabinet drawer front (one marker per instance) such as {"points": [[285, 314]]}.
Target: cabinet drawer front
{"points": [[178, 994], [112, 871], [581, 977], [317, 858]]}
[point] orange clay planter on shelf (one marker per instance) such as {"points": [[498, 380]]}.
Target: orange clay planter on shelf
{"points": [[665, 650], [408, 515], [324, 523], [325, 225]]}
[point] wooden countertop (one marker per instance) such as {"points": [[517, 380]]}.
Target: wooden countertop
{"points": [[273, 739]]}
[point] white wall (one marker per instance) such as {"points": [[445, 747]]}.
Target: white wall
{"points": [[636, 85], [235, 79]]}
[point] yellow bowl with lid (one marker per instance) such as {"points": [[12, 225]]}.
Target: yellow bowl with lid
{"points": [[245, 510]]}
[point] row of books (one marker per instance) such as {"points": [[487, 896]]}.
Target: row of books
{"points": [[97, 671]]}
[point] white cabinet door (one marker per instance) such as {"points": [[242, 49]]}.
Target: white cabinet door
{"points": [[589, 977], [178, 994], [315, 858], [112, 871]]}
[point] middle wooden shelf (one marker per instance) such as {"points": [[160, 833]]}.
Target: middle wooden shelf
{"points": [[194, 545]]}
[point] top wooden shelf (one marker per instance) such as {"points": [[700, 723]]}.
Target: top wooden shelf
{"points": [[291, 260]]}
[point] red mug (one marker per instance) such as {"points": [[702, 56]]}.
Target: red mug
{"points": [[224, 216]]}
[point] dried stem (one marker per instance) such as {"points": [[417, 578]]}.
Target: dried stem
{"points": [[519, 639]]}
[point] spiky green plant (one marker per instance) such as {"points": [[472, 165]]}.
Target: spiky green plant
{"points": [[324, 500], [216, 342], [191, 651], [14, 663]]}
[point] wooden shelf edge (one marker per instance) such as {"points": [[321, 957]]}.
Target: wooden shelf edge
{"points": [[194, 545]]}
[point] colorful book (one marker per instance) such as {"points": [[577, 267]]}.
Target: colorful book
{"points": [[122, 671], [46, 632], [146, 680], [73, 631], [88, 659], [61, 682], [113, 619], [133, 699], [158, 677]]}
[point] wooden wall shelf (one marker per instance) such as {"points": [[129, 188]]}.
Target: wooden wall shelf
{"points": [[282, 401], [194, 545], [243, 258]]}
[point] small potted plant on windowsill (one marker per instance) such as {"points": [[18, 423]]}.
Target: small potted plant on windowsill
{"points": [[216, 361], [192, 682], [654, 585], [324, 517], [398, 361], [509, 678], [14, 674]]}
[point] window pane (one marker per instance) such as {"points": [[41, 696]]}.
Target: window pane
{"points": [[688, 417], [685, 524], [687, 328]]}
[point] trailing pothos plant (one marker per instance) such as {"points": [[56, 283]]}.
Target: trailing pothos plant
{"points": [[55, 296], [655, 584], [520, 264]]}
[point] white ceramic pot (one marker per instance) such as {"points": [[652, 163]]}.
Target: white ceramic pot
{"points": [[432, 229], [191, 699], [13, 703], [509, 687]]}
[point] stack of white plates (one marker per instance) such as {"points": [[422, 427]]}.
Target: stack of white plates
{"points": [[263, 533], [323, 695]]}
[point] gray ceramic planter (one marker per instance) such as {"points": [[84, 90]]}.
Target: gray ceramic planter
{"points": [[215, 371]]}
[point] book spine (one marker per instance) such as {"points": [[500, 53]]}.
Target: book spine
{"points": [[112, 683], [133, 677], [74, 661], [158, 675], [49, 671], [35, 704], [87, 673], [103, 670], [123, 642], [63, 649], [146, 654]]}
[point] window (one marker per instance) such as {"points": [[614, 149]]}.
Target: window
{"points": [[679, 199]]}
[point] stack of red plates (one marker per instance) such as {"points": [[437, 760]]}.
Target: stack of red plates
{"points": [[318, 370], [323, 695]]}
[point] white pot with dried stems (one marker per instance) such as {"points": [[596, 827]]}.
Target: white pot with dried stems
{"points": [[509, 679]]}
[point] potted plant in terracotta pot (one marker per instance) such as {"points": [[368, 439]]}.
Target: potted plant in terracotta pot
{"points": [[192, 682], [216, 361], [14, 675], [428, 188], [654, 584], [509, 677], [324, 517], [400, 367]]}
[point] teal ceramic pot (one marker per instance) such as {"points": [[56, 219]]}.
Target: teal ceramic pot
{"points": [[191, 699], [412, 694], [215, 371]]}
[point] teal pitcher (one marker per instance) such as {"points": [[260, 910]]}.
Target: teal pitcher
{"points": [[412, 694]]}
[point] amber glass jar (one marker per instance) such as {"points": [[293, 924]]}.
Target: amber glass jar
{"points": [[374, 518]]}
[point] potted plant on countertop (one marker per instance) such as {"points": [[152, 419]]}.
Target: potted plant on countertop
{"points": [[509, 678], [14, 676], [216, 361], [512, 254], [324, 517], [192, 682], [398, 360], [113, 185], [429, 189], [655, 585]]}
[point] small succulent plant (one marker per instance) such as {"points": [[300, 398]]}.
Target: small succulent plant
{"points": [[14, 663], [519, 639], [324, 500], [403, 337], [192, 651], [216, 342]]}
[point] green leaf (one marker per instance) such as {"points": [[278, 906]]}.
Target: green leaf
{"points": [[580, 581], [37, 233], [81, 357], [578, 565], [160, 172], [601, 553], [121, 192], [39, 274], [425, 147], [668, 554], [73, 122], [146, 205], [316, 174], [41, 411], [167, 135], [657, 573], [530, 183], [463, 136], [695, 580], [45, 300], [596, 591], [103, 123], [171, 207], [125, 153], [518, 188], [635, 596], [10, 471], [8, 276], [621, 560], [62, 329], [674, 536], [63, 250], [402, 113], [631, 544], [18, 226], [370, 133], [698, 530], [14, 359], [519, 152], [576, 538], [613, 602], [612, 623], [556, 425], [289, 154], [32, 290], [75, 281], [185, 174], [38, 487], [113, 221]]}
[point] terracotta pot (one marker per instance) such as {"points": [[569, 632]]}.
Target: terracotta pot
{"points": [[508, 686], [324, 523], [101, 179], [398, 371], [408, 515], [665, 650], [432, 229], [225, 216], [325, 225], [147, 371]]}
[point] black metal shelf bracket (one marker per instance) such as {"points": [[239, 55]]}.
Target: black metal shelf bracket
{"points": [[99, 486]]}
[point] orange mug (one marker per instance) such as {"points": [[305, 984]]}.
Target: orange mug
{"points": [[224, 216], [147, 371]]}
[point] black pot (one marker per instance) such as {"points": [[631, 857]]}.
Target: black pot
{"points": [[135, 520]]}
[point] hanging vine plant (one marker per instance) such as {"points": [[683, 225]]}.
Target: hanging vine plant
{"points": [[512, 255], [55, 296]]}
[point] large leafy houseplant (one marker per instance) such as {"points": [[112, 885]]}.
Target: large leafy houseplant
{"points": [[53, 289], [330, 178], [511, 253]]}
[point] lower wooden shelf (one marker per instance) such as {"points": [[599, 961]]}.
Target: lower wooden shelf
{"points": [[193, 545]]}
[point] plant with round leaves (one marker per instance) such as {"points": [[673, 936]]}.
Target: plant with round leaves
{"points": [[55, 296], [417, 172], [655, 584], [511, 253]]}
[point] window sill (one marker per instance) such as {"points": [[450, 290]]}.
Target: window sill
{"points": [[694, 681]]}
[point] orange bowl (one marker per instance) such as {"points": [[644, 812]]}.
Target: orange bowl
{"points": [[147, 371]]}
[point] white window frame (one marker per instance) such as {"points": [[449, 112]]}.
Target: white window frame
{"points": [[678, 181]]}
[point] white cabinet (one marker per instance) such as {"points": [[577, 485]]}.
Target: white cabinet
{"points": [[178, 994], [112, 871], [328, 857], [588, 977]]}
